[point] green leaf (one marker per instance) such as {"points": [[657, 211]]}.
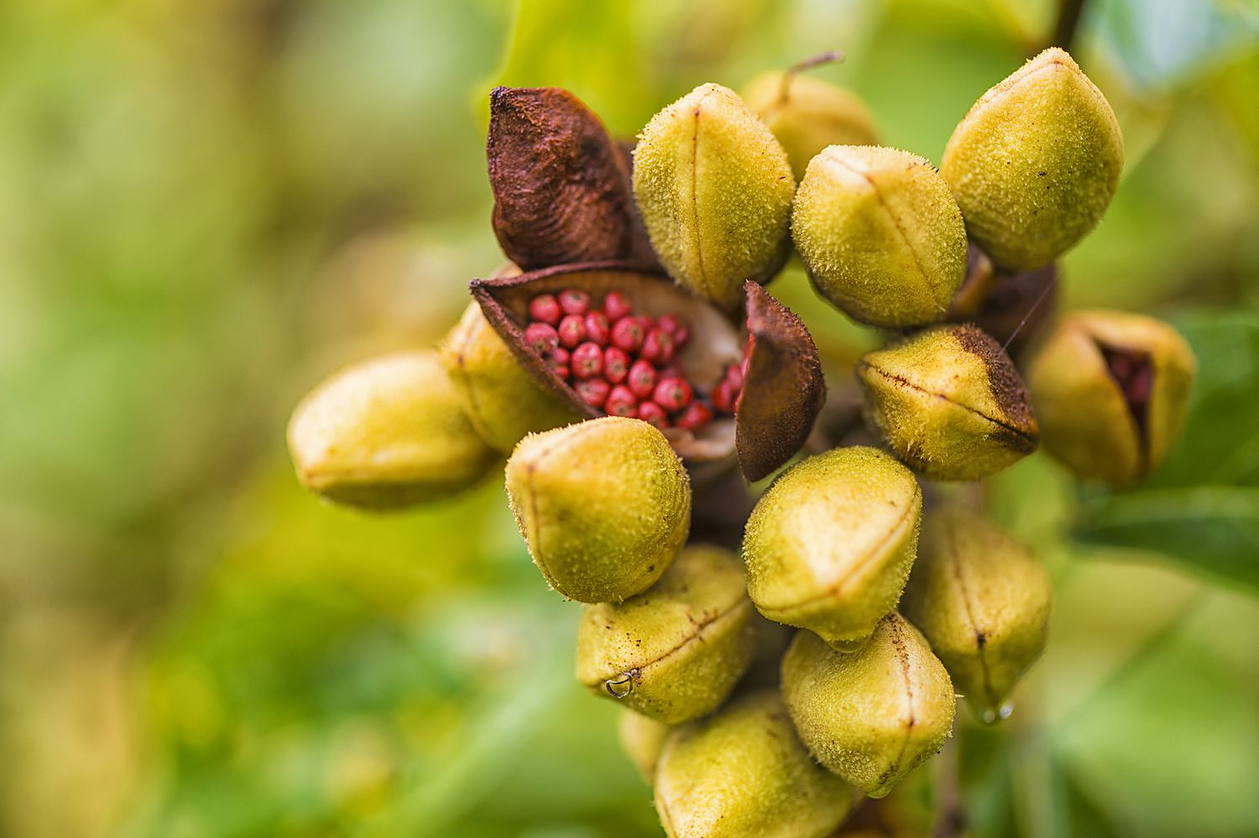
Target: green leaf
{"points": [[1207, 529]]}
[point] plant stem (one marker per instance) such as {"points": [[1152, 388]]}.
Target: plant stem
{"points": [[1068, 21]]}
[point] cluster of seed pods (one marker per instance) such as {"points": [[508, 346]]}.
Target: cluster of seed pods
{"points": [[622, 363]]}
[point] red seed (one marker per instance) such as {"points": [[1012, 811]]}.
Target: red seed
{"points": [[669, 322], [627, 334], [616, 305], [587, 360], [696, 416], [545, 309], [572, 330], [672, 394], [541, 337], [573, 301], [621, 402], [734, 374], [653, 414], [642, 379], [560, 355], [615, 364], [646, 321], [671, 371], [562, 370], [594, 391], [597, 327], [657, 346], [723, 398], [681, 336]]}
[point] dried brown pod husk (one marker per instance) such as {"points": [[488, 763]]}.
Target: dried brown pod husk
{"points": [[782, 391], [783, 386], [561, 185]]}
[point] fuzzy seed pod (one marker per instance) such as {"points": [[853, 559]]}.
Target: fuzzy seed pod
{"points": [[675, 651], [604, 505], [874, 715], [387, 433], [880, 235], [714, 189], [950, 403], [1111, 389], [807, 115], [1035, 162], [742, 773], [642, 739], [501, 399], [983, 603], [830, 544]]}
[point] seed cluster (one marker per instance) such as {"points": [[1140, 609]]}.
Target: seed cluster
{"points": [[625, 363]]}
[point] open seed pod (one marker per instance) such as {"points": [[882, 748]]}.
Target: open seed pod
{"points": [[771, 392], [561, 184], [1111, 389]]}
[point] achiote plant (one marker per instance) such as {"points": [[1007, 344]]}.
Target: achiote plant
{"points": [[631, 365]]}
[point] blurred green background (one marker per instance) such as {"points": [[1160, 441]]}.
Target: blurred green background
{"points": [[208, 205]]}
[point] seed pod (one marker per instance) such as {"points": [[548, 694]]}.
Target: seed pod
{"points": [[674, 651], [1035, 162], [386, 433], [874, 715], [950, 403], [714, 189], [501, 399], [642, 739], [807, 115], [983, 603], [880, 235], [830, 544], [1111, 390], [604, 506], [742, 773]]}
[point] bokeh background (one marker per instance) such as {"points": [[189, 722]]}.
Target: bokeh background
{"points": [[208, 205]]}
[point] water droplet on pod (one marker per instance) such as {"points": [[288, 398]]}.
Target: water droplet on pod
{"points": [[620, 686]]}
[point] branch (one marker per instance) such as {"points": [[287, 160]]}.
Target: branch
{"points": [[1069, 14]]}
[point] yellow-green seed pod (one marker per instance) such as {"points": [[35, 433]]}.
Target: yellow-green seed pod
{"points": [[808, 114], [880, 235], [1035, 162], [604, 505], [387, 433], [950, 403], [830, 544], [501, 399], [675, 651], [874, 715], [1111, 389], [714, 189], [642, 739], [983, 603], [743, 773]]}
